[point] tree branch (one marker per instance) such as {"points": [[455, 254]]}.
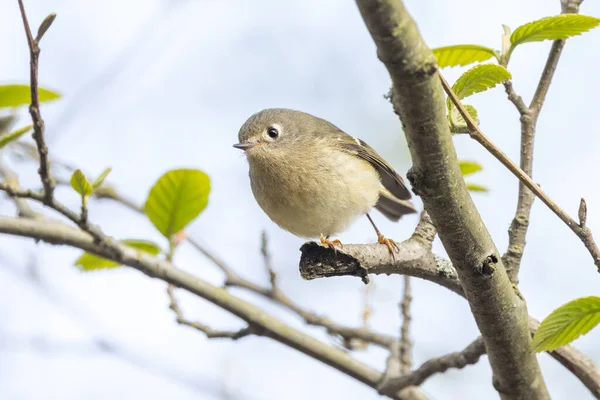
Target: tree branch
{"points": [[57, 233], [207, 330], [529, 116], [470, 355], [405, 342], [582, 231], [12, 181], [442, 272], [274, 293], [34, 108], [415, 259], [435, 176]]}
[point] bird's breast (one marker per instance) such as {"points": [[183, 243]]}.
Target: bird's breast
{"points": [[320, 193]]}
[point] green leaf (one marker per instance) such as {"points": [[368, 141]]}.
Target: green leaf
{"points": [[457, 122], [480, 78], [91, 262], [81, 185], [176, 199], [100, 180], [19, 95], [474, 187], [10, 137], [469, 167], [567, 323], [462, 54], [553, 28]]}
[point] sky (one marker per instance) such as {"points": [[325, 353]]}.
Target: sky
{"points": [[154, 85]]}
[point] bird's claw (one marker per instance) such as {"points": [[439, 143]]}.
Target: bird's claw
{"points": [[390, 244], [331, 243]]}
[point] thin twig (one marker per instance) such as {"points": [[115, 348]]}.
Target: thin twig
{"points": [[34, 108], [405, 342], [584, 233], [469, 356], [207, 330], [264, 249], [11, 179], [515, 98], [17, 192]]}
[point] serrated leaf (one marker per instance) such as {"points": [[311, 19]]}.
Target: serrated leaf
{"points": [[19, 95], [480, 78], [457, 122], [80, 183], [461, 54], [100, 180], [474, 187], [567, 323], [553, 28], [14, 135], [176, 199], [469, 167], [91, 262]]}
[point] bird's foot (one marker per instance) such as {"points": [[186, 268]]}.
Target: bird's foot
{"points": [[331, 243], [391, 244]]}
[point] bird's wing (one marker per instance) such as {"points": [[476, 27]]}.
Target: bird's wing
{"points": [[390, 179]]}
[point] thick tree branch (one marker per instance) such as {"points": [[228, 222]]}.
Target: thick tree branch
{"points": [[435, 176], [529, 116]]}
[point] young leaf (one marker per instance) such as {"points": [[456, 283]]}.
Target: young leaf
{"points": [[474, 187], [176, 199], [480, 78], [462, 54], [567, 323], [100, 180], [553, 28], [457, 122], [10, 137], [91, 262], [469, 167], [80, 183], [19, 95]]}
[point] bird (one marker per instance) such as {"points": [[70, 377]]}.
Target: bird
{"points": [[314, 180]]}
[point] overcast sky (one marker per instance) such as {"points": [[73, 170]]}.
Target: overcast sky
{"points": [[154, 85]]}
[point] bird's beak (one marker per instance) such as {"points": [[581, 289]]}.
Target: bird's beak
{"points": [[245, 146]]}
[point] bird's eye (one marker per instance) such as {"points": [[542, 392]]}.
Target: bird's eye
{"points": [[272, 132]]}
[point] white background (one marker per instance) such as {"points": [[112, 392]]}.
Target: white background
{"points": [[156, 84]]}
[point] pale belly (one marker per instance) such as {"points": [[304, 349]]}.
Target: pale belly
{"points": [[324, 201]]}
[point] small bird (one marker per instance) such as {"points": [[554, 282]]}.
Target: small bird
{"points": [[314, 180]]}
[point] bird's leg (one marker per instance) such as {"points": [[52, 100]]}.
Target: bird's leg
{"points": [[391, 245], [330, 243]]}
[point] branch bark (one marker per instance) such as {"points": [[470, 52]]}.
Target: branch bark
{"points": [[435, 176]]}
